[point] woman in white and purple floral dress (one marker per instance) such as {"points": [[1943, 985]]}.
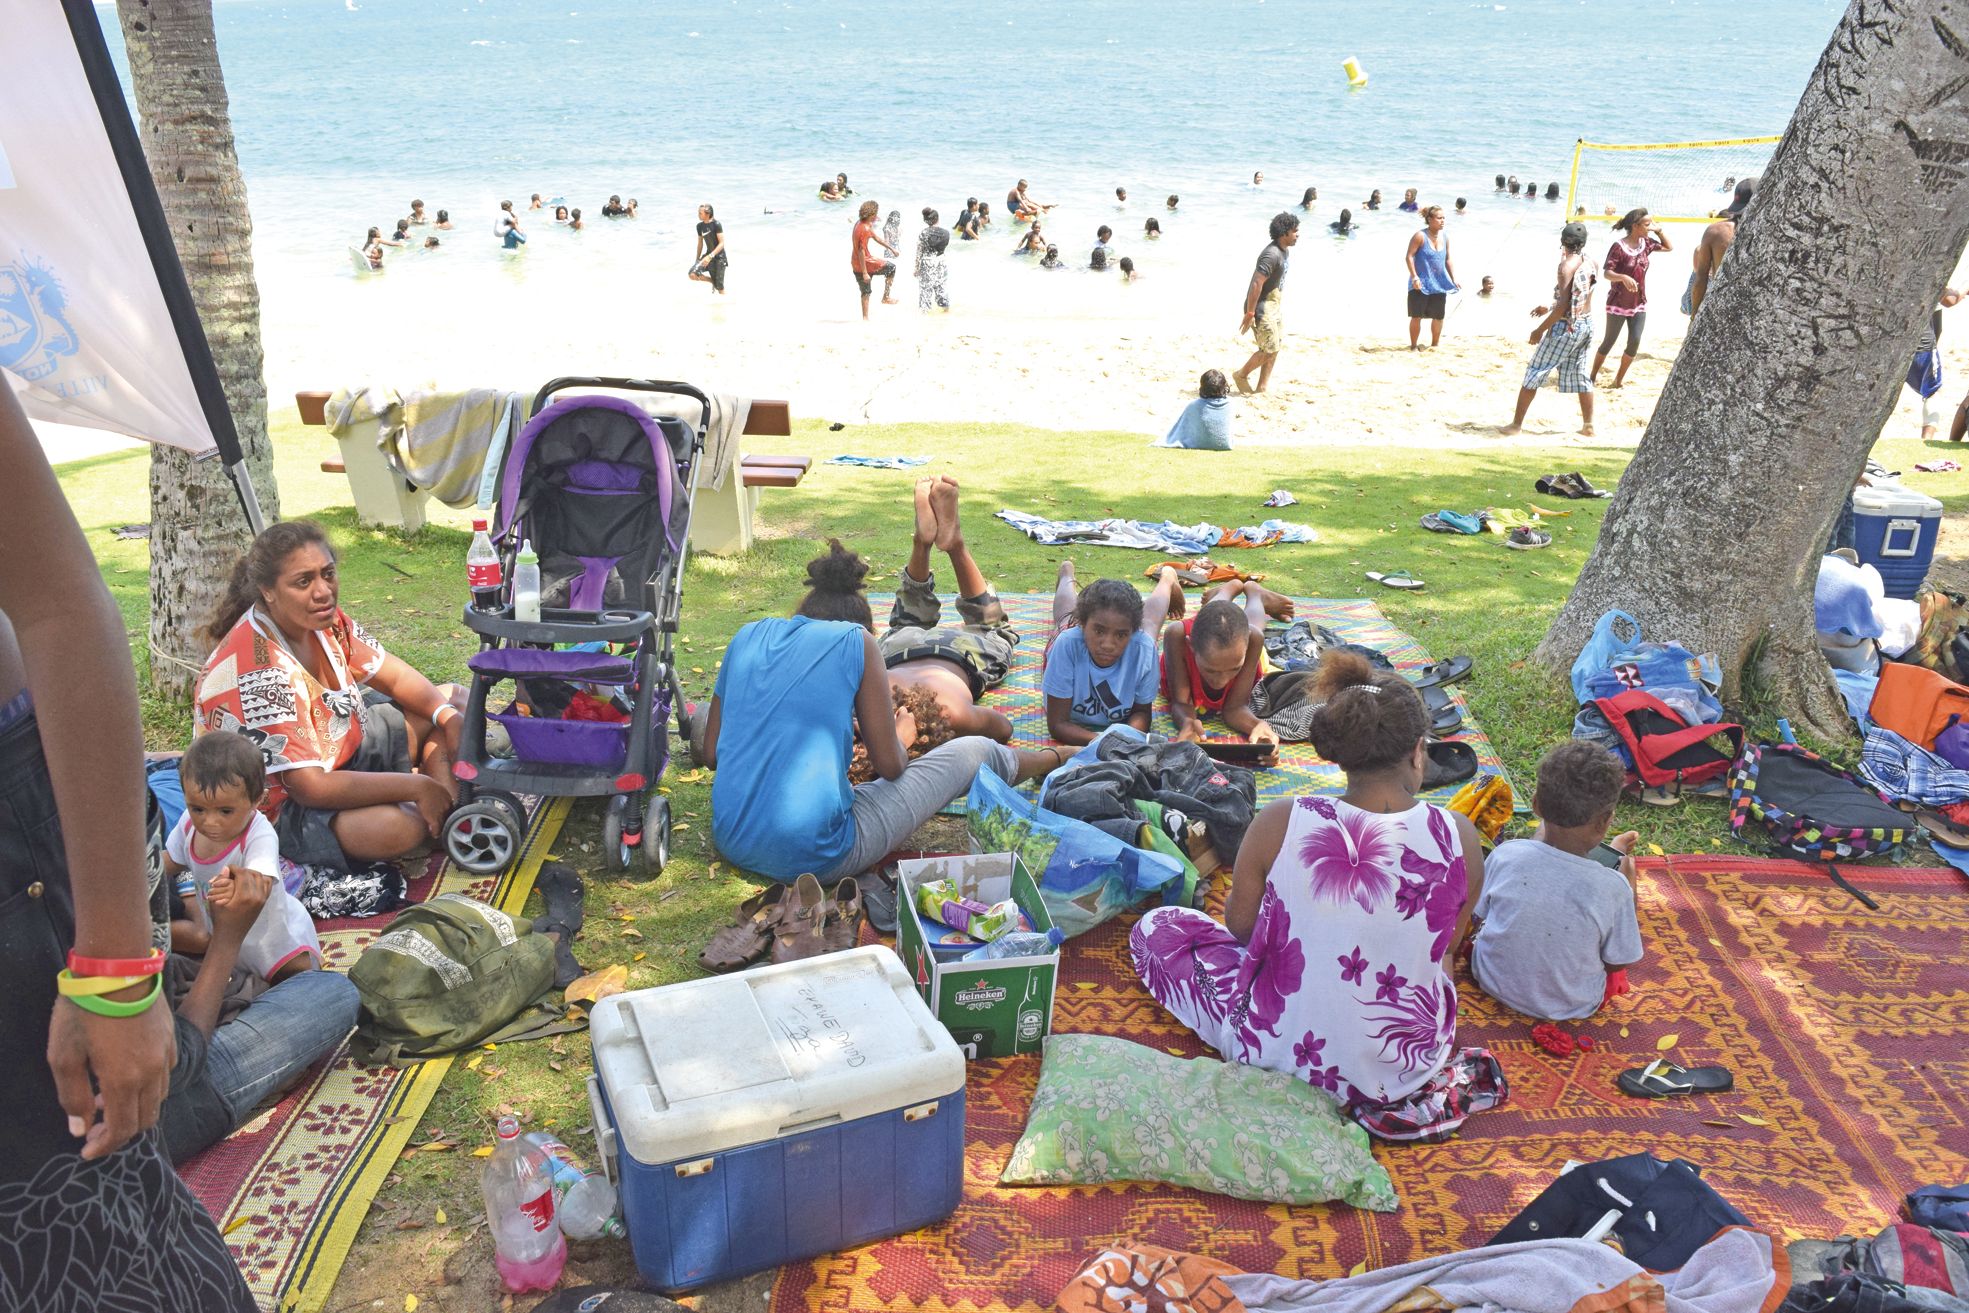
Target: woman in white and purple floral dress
{"points": [[1344, 919]]}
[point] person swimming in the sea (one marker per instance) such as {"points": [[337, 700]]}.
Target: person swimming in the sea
{"points": [[1342, 226], [1128, 274], [830, 190], [1172, 202], [560, 214], [1257, 179], [1050, 260], [1151, 229], [1311, 197], [1032, 243], [1460, 204], [1373, 202], [1409, 204], [444, 219], [1488, 286]]}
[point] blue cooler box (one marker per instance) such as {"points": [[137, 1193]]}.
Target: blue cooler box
{"points": [[1894, 531], [765, 1117]]}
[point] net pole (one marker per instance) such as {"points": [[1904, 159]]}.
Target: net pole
{"points": [[1572, 183]]}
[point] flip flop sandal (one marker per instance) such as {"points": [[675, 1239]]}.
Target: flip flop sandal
{"points": [[1662, 1079], [746, 941], [1433, 522], [842, 927], [1396, 579], [1449, 763], [803, 917], [1441, 672], [878, 900], [1941, 830]]}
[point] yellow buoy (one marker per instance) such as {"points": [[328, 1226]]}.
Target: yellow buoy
{"points": [[1352, 68]]}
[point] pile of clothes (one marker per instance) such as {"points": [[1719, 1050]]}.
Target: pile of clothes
{"points": [[1167, 536], [1680, 690], [1154, 792]]}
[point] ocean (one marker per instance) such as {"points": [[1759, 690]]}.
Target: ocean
{"points": [[344, 110]]}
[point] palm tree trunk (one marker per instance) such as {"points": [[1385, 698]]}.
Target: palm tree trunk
{"points": [[197, 529], [1792, 367]]}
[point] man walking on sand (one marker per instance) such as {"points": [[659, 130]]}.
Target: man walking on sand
{"points": [[1262, 317], [1716, 239], [867, 266], [1565, 333]]}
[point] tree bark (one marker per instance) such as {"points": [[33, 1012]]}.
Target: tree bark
{"points": [[1791, 368], [197, 528]]}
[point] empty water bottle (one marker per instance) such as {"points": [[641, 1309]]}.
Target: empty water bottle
{"points": [[585, 1201], [1020, 943], [518, 1188]]}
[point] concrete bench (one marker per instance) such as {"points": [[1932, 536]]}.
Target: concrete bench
{"points": [[721, 520]]}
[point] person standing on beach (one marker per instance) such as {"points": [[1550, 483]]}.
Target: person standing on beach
{"points": [[868, 266], [931, 269], [1565, 333], [1262, 316], [1716, 239], [711, 261], [1431, 279], [1627, 291]]}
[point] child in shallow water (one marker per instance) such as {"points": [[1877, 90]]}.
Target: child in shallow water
{"points": [[1333, 962], [1100, 663]]}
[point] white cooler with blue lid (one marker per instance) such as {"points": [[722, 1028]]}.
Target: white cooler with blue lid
{"points": [[760, 1118]]}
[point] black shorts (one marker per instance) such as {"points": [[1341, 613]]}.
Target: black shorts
{"points": [[1426, 305], [866, 282], [307, 834]]}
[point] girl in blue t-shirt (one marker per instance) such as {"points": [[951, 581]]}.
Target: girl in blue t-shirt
{"points": [[1101, 662]]}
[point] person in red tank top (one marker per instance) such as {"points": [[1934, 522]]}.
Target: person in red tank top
{"points": [[1211, 660]]}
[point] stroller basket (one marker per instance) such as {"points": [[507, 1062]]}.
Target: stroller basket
{"points": [[543, 742], [528, 662]]}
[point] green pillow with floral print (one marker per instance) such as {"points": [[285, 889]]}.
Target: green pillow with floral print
{"points": [[1110, 1110]]}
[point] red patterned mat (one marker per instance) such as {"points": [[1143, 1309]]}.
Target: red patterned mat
{"points": [[1848, 1031]]}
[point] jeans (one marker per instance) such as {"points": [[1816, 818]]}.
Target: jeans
{"points": [[887, 812], [285, 1031]]}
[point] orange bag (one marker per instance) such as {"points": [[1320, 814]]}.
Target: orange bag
{"points": [[1916, 703]]}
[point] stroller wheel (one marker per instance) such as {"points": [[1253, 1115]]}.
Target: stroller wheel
{"points": [[656, 836], [617, 852], [481, 836], [514, 810]]}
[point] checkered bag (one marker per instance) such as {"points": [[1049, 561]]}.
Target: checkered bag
{"points": [[1811, 808]]}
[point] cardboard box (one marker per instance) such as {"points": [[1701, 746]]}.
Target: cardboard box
{"points": [[992, 1009]]}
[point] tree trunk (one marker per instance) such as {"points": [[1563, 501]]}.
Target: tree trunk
{"points": [[1792, 367], [197, 528]]}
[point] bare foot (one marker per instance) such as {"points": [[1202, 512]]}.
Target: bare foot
{"points": [[1277, 605], [926, 515], [1243, 383], [1510, 430], [1616, 384], [889, 300], [1586, 430], [1066, 571], [1167, 579], [943, 500]]}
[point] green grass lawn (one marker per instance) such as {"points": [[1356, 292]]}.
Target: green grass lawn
{"points": [[1481, 599]]}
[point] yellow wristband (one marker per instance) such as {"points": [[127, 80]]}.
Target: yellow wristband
{"points": [[74, 986]]}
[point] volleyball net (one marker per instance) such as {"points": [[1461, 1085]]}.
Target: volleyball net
{"points": [[1676, 181]]}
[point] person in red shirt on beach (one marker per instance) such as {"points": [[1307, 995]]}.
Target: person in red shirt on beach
{"points": [[866, 266]]}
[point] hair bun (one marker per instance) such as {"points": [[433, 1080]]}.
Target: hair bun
{"points": [[840, 571], [1341, 670]]}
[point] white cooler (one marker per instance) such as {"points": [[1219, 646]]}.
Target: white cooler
{"points": [[760, 1118]]}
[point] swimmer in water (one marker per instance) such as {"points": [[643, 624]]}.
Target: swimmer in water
{"points": [[444, 219], [1310, 199], [1128, 274], [417, 215], [1151, 229], [1257, 180], [1486, 287], [1409, 205], [1342, 226], [1050, 260], [1460, 203], [1373, 202], [1172, 202]]}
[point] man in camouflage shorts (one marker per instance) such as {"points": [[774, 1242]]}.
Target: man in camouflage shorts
{"points": [[958, 665]]}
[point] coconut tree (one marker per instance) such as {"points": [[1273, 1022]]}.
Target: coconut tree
{"points": [[1792, 366], [196, 526]]}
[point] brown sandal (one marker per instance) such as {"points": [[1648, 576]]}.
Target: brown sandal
{"points": [[746, 941], [843, 925], [798, 932]]}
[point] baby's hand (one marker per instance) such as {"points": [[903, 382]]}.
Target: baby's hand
{"points": [[244, 894]]}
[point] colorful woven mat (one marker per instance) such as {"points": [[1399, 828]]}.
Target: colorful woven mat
{"points": [[291, 1187], [1299, 768], [1846, 1029]]}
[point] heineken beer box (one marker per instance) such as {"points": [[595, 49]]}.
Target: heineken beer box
{"points": [[993, 1009]]}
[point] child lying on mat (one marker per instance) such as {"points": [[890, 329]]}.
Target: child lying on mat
{"points": [[1100, 662], [1559, 927], [1214, 661]]}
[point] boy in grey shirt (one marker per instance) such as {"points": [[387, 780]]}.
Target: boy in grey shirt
{"points": [[1555, 920]]}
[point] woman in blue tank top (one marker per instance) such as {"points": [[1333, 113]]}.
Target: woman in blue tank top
{"points": [[1430, 278], [781, 732]]}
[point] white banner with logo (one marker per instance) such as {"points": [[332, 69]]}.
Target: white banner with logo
{"points": [[85, 334]]}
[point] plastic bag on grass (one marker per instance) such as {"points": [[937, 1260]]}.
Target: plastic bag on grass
{"points": [[1084, 875]]}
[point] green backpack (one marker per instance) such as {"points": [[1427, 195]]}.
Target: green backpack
{"points": [[450, 973]]}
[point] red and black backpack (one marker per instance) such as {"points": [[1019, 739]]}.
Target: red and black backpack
{"points": [[1666, 749]]}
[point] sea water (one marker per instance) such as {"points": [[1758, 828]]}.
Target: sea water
{"points": [[344, 110]]}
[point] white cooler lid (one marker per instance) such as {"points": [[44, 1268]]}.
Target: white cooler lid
{"points": [[709, 1065], [1893, 499]]}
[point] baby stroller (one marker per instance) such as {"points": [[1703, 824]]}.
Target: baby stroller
{"points": [[603, 491]]}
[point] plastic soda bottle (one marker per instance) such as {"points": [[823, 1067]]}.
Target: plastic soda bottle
{"points": [[482, 570], [585, 1201], [1020, 943], [526, 585], [518, 1188]]}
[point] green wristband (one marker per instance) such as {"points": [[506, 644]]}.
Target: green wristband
{"points": [[104, 1007]]}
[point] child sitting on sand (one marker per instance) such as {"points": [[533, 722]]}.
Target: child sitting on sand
{"points": [[1205, 424], [1214, 660], [1557, 923], [1100, 664]]}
